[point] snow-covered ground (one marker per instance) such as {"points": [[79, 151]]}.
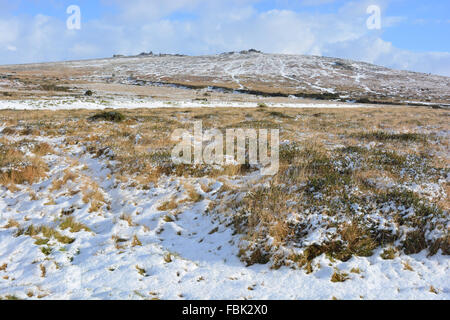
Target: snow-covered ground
{"points": [[136, 250], [89, 230], [71, 104]]}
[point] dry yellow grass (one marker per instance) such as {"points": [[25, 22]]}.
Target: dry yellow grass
{"points": [[26, 175], [380, 138], [92, 194], [42, 149], [136, 241], [74, 226], [57, 184], [168, 205], [128, 218], [12, 224], [193, 195]]}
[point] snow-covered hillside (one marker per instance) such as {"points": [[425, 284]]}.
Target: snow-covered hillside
{"points": [[250, 72]]}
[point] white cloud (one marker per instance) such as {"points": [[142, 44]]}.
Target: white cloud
{"points": [[9, 30]]}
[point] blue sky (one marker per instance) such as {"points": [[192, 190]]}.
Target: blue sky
{"points": [[414, 35]]}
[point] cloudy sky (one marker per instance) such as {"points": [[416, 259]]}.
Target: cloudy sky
{"points": [[414, 35]]}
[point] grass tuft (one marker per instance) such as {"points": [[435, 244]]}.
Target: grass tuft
{"points": [[339, 276], [70, 223]]}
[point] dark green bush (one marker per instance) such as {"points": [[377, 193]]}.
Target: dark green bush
{"points": [[112, 116]]}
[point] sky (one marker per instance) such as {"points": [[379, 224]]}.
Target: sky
{"points": [[407, 34]]}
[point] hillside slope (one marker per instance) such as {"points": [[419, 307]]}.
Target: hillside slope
{"points": [[275, 75]]}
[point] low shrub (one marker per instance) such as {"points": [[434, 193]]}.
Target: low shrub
{"points": [[112, 116]]}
